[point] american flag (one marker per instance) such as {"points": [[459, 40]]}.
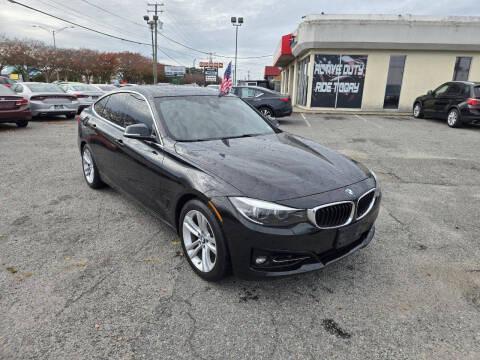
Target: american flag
{"points": [[227, 80]]}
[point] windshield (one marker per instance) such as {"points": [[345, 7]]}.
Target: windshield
{"points": [[83, 87], [197, 118], [44, 88]]}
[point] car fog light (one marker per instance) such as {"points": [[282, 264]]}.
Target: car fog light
{"points": [[259, 260]]}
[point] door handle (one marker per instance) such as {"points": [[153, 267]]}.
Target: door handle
{"points": [[119, 141], [94, 125]]}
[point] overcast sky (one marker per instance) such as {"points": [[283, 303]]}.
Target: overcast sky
{"points": [[201, 24]]}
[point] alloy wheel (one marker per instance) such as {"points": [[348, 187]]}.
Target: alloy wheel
{"points": [[416, 110], [452, 118], [267, 113], [199, 241], [88, 168]]}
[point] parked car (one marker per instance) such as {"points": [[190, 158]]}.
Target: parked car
{"points": [[456, 101], [13, 108], [5, 81], [105, 87], [85, 93], [270, 103], [238, 190], [47, 99]]}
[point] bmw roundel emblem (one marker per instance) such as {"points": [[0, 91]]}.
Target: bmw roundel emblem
{"points": [[349, 192]]}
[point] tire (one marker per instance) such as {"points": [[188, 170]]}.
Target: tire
{"points": [[267, 112], [417, 111], [453, 118], [71, 115], [90, 170], [212, 267], [22, 123]]}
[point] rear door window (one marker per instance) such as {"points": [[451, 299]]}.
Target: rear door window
{"points": [[100, 105], [454, 89], [247, 92], [115, 109]]}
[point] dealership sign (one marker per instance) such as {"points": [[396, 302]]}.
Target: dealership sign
{"points": [[211, 75], [211, 64], [174, 70], [338, 80]]}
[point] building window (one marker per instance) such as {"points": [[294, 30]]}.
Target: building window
{"points": [[394, 82], [462, 68], [302, 81]]}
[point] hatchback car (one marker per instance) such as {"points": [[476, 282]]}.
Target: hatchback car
{"points": [[86, 94], [456, 101], [13, 108], [241, 193], [270, 103], [47, 99]]}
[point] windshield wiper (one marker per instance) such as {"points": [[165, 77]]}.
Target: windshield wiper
{"points": [[239, 136]]}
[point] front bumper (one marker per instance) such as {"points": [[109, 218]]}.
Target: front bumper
{"points": [[290, 251]]}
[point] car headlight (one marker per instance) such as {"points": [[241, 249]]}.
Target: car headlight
{"points": [[268, 213]]}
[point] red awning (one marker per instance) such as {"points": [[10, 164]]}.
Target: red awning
{"points": [[284, 55]]}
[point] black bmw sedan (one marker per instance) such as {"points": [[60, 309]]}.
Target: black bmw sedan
{"points": [[242, 194]]}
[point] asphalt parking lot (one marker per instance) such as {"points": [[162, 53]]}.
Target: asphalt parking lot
{"points": [[88, 274]]}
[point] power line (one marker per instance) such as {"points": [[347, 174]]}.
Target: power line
{"points": [[112, 13], [129, 40]]}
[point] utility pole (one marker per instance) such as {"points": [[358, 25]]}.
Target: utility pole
{"points": [[237, 23], [154, 28]]}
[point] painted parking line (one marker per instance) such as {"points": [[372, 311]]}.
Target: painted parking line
{"points": [[369, 122], [306, 121]]}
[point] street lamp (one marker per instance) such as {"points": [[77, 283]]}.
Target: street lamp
{"points": [[237, 22], [151, 23], [53, 31]]}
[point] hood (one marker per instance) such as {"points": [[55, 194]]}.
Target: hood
{"points": [[274, 167]]}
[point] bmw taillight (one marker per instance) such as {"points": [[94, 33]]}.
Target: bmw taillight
{"points": [[473, 102], [21, 102], [286, 99]]}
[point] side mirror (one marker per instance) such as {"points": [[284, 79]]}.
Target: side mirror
{"points": [[138, 131], [429, 92]]}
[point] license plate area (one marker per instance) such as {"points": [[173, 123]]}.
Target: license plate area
{"points": [[57, 107], [7, 105]]}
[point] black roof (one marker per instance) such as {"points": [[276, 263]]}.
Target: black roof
{"points": [[465, 82], [153, 91]]}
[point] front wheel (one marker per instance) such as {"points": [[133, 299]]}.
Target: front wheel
{"points": [[202, 241], [417, 111], [453, 119], [90, 170]]}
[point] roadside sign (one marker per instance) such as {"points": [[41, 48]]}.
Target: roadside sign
{"points": [[211, 64], [211, 75]]}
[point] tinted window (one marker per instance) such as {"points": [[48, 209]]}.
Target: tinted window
{"points": [[440, 90], [462, 68], [476, 92], [115, 108], [44, 87], [100, 105], [192, 118], [137, 111], [454, 89]]}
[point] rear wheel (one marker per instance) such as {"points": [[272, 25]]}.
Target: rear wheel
{"points": [[453, 118], [22, 123], [202, 241], [90, 170], [417, 111]]}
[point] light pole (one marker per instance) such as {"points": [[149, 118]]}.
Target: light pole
{"points": [[237, 23], [53, 31]]}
